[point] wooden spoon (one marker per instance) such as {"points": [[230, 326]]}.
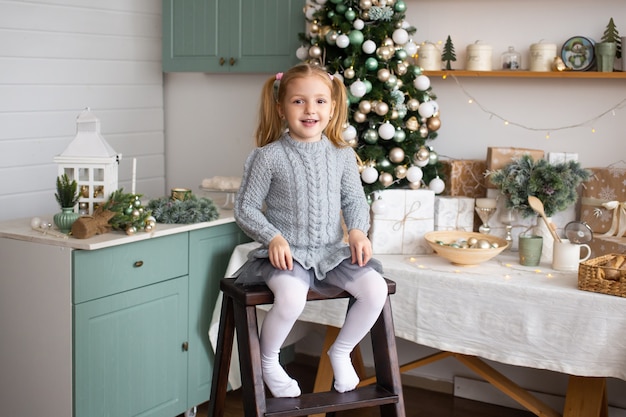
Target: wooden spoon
{"points": [[537, 205]]}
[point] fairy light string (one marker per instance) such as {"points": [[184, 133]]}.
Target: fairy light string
{"points": [[548, 130]]}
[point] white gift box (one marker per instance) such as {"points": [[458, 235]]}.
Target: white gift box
{"points": [[400, 228], [562, 157], [454, 213]]}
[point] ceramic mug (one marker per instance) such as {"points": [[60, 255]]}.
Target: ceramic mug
{"points": [[566, 255], [530, 249]]}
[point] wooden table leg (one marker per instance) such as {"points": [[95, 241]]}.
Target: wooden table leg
{"points": [[586, 397]]}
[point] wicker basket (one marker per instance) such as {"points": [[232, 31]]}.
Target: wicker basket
{"points": [[600, 275]]}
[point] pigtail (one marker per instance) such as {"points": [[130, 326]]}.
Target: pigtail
{"points": [[339, 120], [270, 125]]}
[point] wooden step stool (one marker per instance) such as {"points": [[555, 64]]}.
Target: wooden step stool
{"points": [[239, 312]]}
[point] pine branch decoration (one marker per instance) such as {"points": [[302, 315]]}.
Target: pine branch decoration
{"points": [[130, 215], [193, 210]]}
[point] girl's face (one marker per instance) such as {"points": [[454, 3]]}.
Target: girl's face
{"points": [[307, 108]]}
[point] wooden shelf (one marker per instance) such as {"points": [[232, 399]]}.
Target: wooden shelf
{"points": [[528, 74]]}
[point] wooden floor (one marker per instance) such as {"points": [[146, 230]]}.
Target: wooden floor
{"points": [[418, 402]]}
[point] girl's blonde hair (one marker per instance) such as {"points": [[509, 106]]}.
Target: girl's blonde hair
{"points": [[271, 126]]}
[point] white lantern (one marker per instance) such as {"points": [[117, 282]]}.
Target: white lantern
{"points": [[91, 162]]}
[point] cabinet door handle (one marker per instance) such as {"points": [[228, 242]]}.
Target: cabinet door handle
{"points": [[185, 346], [138, 264], [222, 61], [232, 61]]}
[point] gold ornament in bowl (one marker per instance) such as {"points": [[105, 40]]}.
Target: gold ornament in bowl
{"points": [[465, 248]]}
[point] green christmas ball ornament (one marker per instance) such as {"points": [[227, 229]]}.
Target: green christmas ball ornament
{"points": [[368, 86], [383, 163], [416, 70], [433, 158], [401, 54], [371, 64], [350, 15], [356, 37], [391, 82], [370, 136], [400, 6], [341, 8], [399, 136], [330, 14]]}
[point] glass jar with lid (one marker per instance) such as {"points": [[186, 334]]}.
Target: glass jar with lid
{"points": [[511, 59]]}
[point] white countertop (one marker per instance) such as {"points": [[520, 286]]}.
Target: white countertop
{"points": [[20, 229]]}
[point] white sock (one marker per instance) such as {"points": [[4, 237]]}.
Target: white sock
{"points": [[277, 380], [346, 378]]}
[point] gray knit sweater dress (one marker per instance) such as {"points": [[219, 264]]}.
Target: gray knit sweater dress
{"points": [[299, 190]]}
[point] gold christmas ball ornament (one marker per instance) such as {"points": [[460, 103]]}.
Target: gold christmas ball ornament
{"points": [[423, 130], [422, 153], [381, 108], [314, 28], [401, 68], [315, 51], [365, 4], [359, 117], [349, 73], [412, 124], [394, 114], [383, 74], [433, 124], [396, 155], [415, 185], [413, 104], [365, 106], [388, 42], [386, 179], [400, 171]]}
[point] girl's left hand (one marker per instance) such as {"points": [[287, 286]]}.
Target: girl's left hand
{"points": [[360, 246]]}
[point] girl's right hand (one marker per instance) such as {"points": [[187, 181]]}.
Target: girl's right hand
{"points": [[280, 253]]}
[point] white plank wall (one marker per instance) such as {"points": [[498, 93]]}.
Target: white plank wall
{"points": [[58, 57]]}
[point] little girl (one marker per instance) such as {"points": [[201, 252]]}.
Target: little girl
{"points": [[296, 185]]}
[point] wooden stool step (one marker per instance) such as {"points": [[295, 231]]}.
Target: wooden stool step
{"points": [[239, 314]]}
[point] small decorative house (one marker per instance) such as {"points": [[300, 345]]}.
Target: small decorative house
{"points": [[91, 161]]}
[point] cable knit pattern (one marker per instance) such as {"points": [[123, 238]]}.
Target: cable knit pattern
{"points": [[305, 186]]}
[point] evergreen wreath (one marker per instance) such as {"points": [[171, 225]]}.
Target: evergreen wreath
{"points": [[554, 184], [193, 210]]}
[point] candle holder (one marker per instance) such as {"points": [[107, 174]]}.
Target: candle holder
{"points": [[485, 214], [508, 217]]}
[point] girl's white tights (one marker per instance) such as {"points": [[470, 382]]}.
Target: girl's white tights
{"points": [[370, 293]]}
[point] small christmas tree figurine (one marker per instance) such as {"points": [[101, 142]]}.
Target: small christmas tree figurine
{"points": [[612, 35], [448, 53]]}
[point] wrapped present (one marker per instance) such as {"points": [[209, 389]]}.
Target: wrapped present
{"points": [[603, 245], [499, 157], [603, 201], [400, 228], [454, 213], [562, 157], [465, 177]]}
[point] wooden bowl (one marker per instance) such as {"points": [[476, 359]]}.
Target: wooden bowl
{"points": [[439, 241]]}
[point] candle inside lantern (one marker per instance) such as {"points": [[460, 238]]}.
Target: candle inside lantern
{"points": [[134, 177], [486, 203]]}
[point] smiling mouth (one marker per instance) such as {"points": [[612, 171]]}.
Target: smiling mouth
{"points": [[309, 121]]}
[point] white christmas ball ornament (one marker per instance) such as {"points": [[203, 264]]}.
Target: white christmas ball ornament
{"points": [[358, 88], [410, 48], [437, 185], [342, 41], [422, 82], [435, 106], [349, 133], [369, 47], [400, 36], [358, 24], [310, 12], [426, 109], [369, 175], [386, 131], [379, 206], [414, 174], [302, 53]]}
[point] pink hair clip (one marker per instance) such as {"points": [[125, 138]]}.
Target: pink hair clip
{"points": [[279, 76], [331, 76]]}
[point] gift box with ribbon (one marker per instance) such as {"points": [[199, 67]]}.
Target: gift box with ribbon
{"points": [[603, 201], [454, 213], [401, 222]]}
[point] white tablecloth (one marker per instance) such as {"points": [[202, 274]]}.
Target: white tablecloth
{"points": [[526, 316]]}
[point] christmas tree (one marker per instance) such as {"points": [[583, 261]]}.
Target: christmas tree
{"points": [[393, 112]]}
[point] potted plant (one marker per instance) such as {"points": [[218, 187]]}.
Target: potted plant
{"points": [[67, 196], [554, 184]]}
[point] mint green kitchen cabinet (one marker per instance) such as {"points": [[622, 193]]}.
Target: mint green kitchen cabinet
{"points": [[240, 36], [114, 325]]}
